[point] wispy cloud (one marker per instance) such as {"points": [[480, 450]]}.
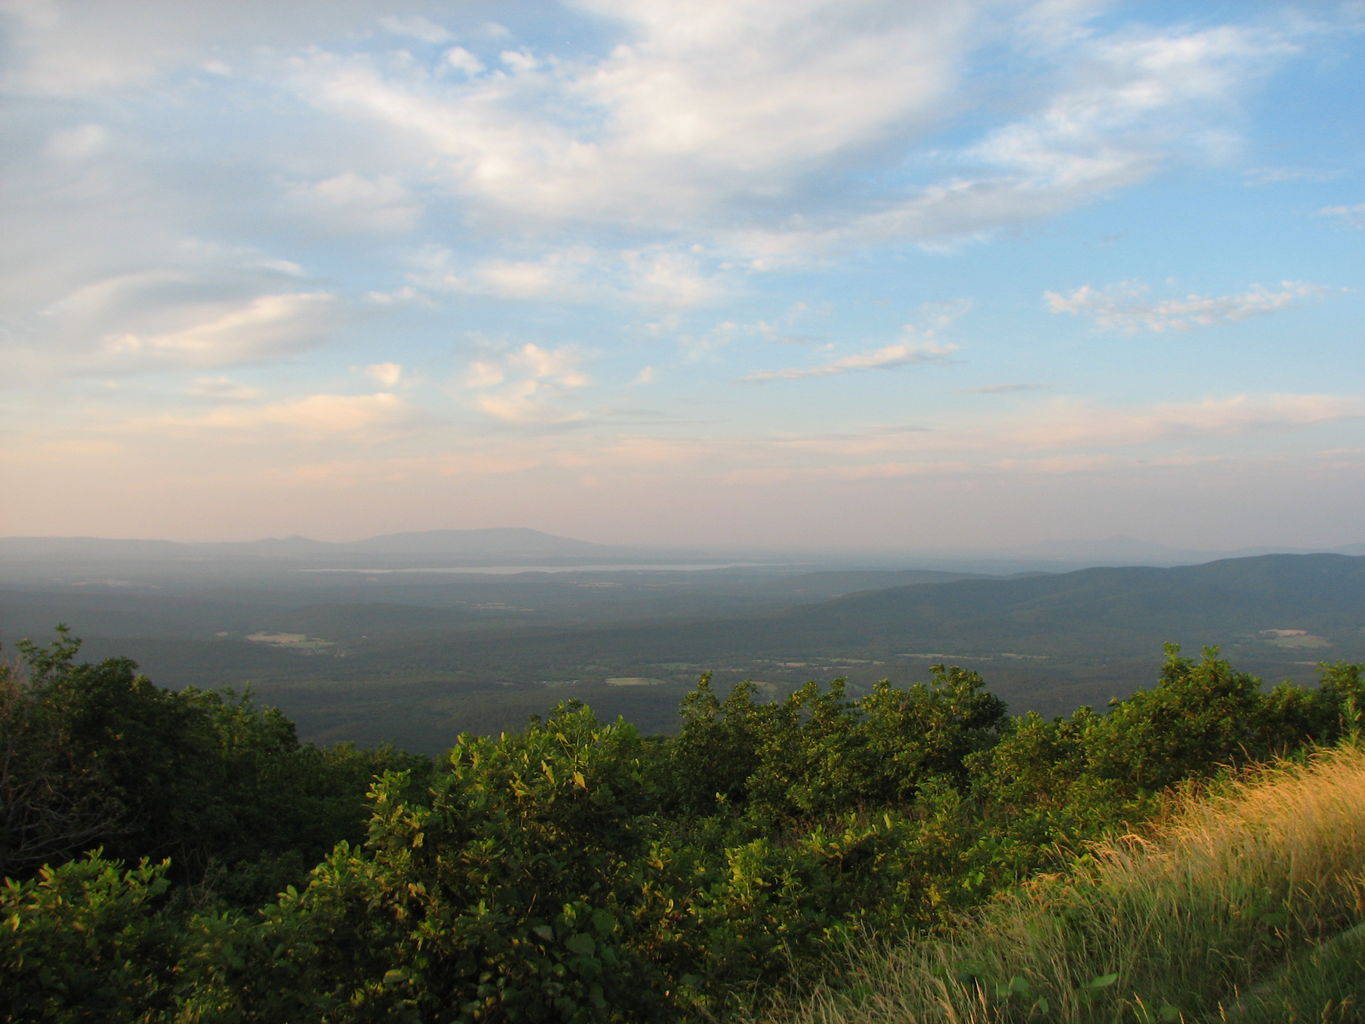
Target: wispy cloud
{"points": [[527, 385], [889, 357], [1352, 216], [1070, 424], [354, 418], [655, 276], [519, 237], [72, 49], [1001, 389], [351, 202], [417, 27], [1288, 175], [387, 375], [262, 326], [1125, 106], [198, 306], [79, 143], [1075, 425], [1126, 307], [691, 114], [920, 344], [223, 389]]}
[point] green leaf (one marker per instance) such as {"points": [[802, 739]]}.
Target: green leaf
{"points": [[582, 943], [1102, 981], [603, 921]]}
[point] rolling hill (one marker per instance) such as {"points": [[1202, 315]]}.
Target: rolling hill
{"points": [[415, 657]]}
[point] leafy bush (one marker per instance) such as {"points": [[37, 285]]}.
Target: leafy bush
{"points": [[87, 941], [572, 871], [96, 755]]}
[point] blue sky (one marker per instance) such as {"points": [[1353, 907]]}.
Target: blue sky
{"points": [[942, 275]]}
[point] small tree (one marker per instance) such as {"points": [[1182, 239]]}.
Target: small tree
{"points": [[53, 801]]}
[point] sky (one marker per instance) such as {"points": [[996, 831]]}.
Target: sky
{"points": [[942, 275]]}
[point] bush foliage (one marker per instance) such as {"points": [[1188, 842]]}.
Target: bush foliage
{"points": [[181, 856]]}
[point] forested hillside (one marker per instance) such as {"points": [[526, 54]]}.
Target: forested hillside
{"points": [[415, 657], [180, 856]]}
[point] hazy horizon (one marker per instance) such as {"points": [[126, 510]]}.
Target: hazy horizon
{"points": [[1060, 553], [944, 276]]}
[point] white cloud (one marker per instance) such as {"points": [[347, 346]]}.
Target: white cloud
{"points": [[519, 62], [352, 202], [1283, 175], [1072, 423], [524, 402], [72, 48], [661, 277], [1122, 107], [559, 365], [463, 61], [405, 295], [417, 27], [348, 473], [1352, 216], [560, 274], [527, 385], [757, 87], [484, 373], [656, 276], [741, 122], [78, 143], [1125, 307], [1067, 426], [223, 389], [387, 375], [888, 358], [694, 112], [920, 346], [1060, 436], [360, 418], [185, 302], [327, 415], [222, 334], [1001, 389]]}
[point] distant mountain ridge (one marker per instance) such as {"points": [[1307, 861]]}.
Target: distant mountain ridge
{"points": [[1211, 602], [1124, 550], [522, 545], [483, 546]]}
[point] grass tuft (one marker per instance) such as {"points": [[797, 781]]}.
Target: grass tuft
{"points": [[1242, 907]]}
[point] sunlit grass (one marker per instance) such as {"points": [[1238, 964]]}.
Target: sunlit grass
{"points": [[1246, 907]]}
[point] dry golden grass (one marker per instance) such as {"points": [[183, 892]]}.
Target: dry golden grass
{"points": [[1244, 906]]}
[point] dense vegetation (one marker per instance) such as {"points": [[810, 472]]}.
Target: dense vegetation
{"points": [[180, 856], [1243, 906]]}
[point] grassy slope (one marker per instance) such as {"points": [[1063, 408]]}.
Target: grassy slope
{"points": [[1246, 907]]}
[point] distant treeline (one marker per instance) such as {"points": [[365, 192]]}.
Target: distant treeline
{"points": [[181, 856]]}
